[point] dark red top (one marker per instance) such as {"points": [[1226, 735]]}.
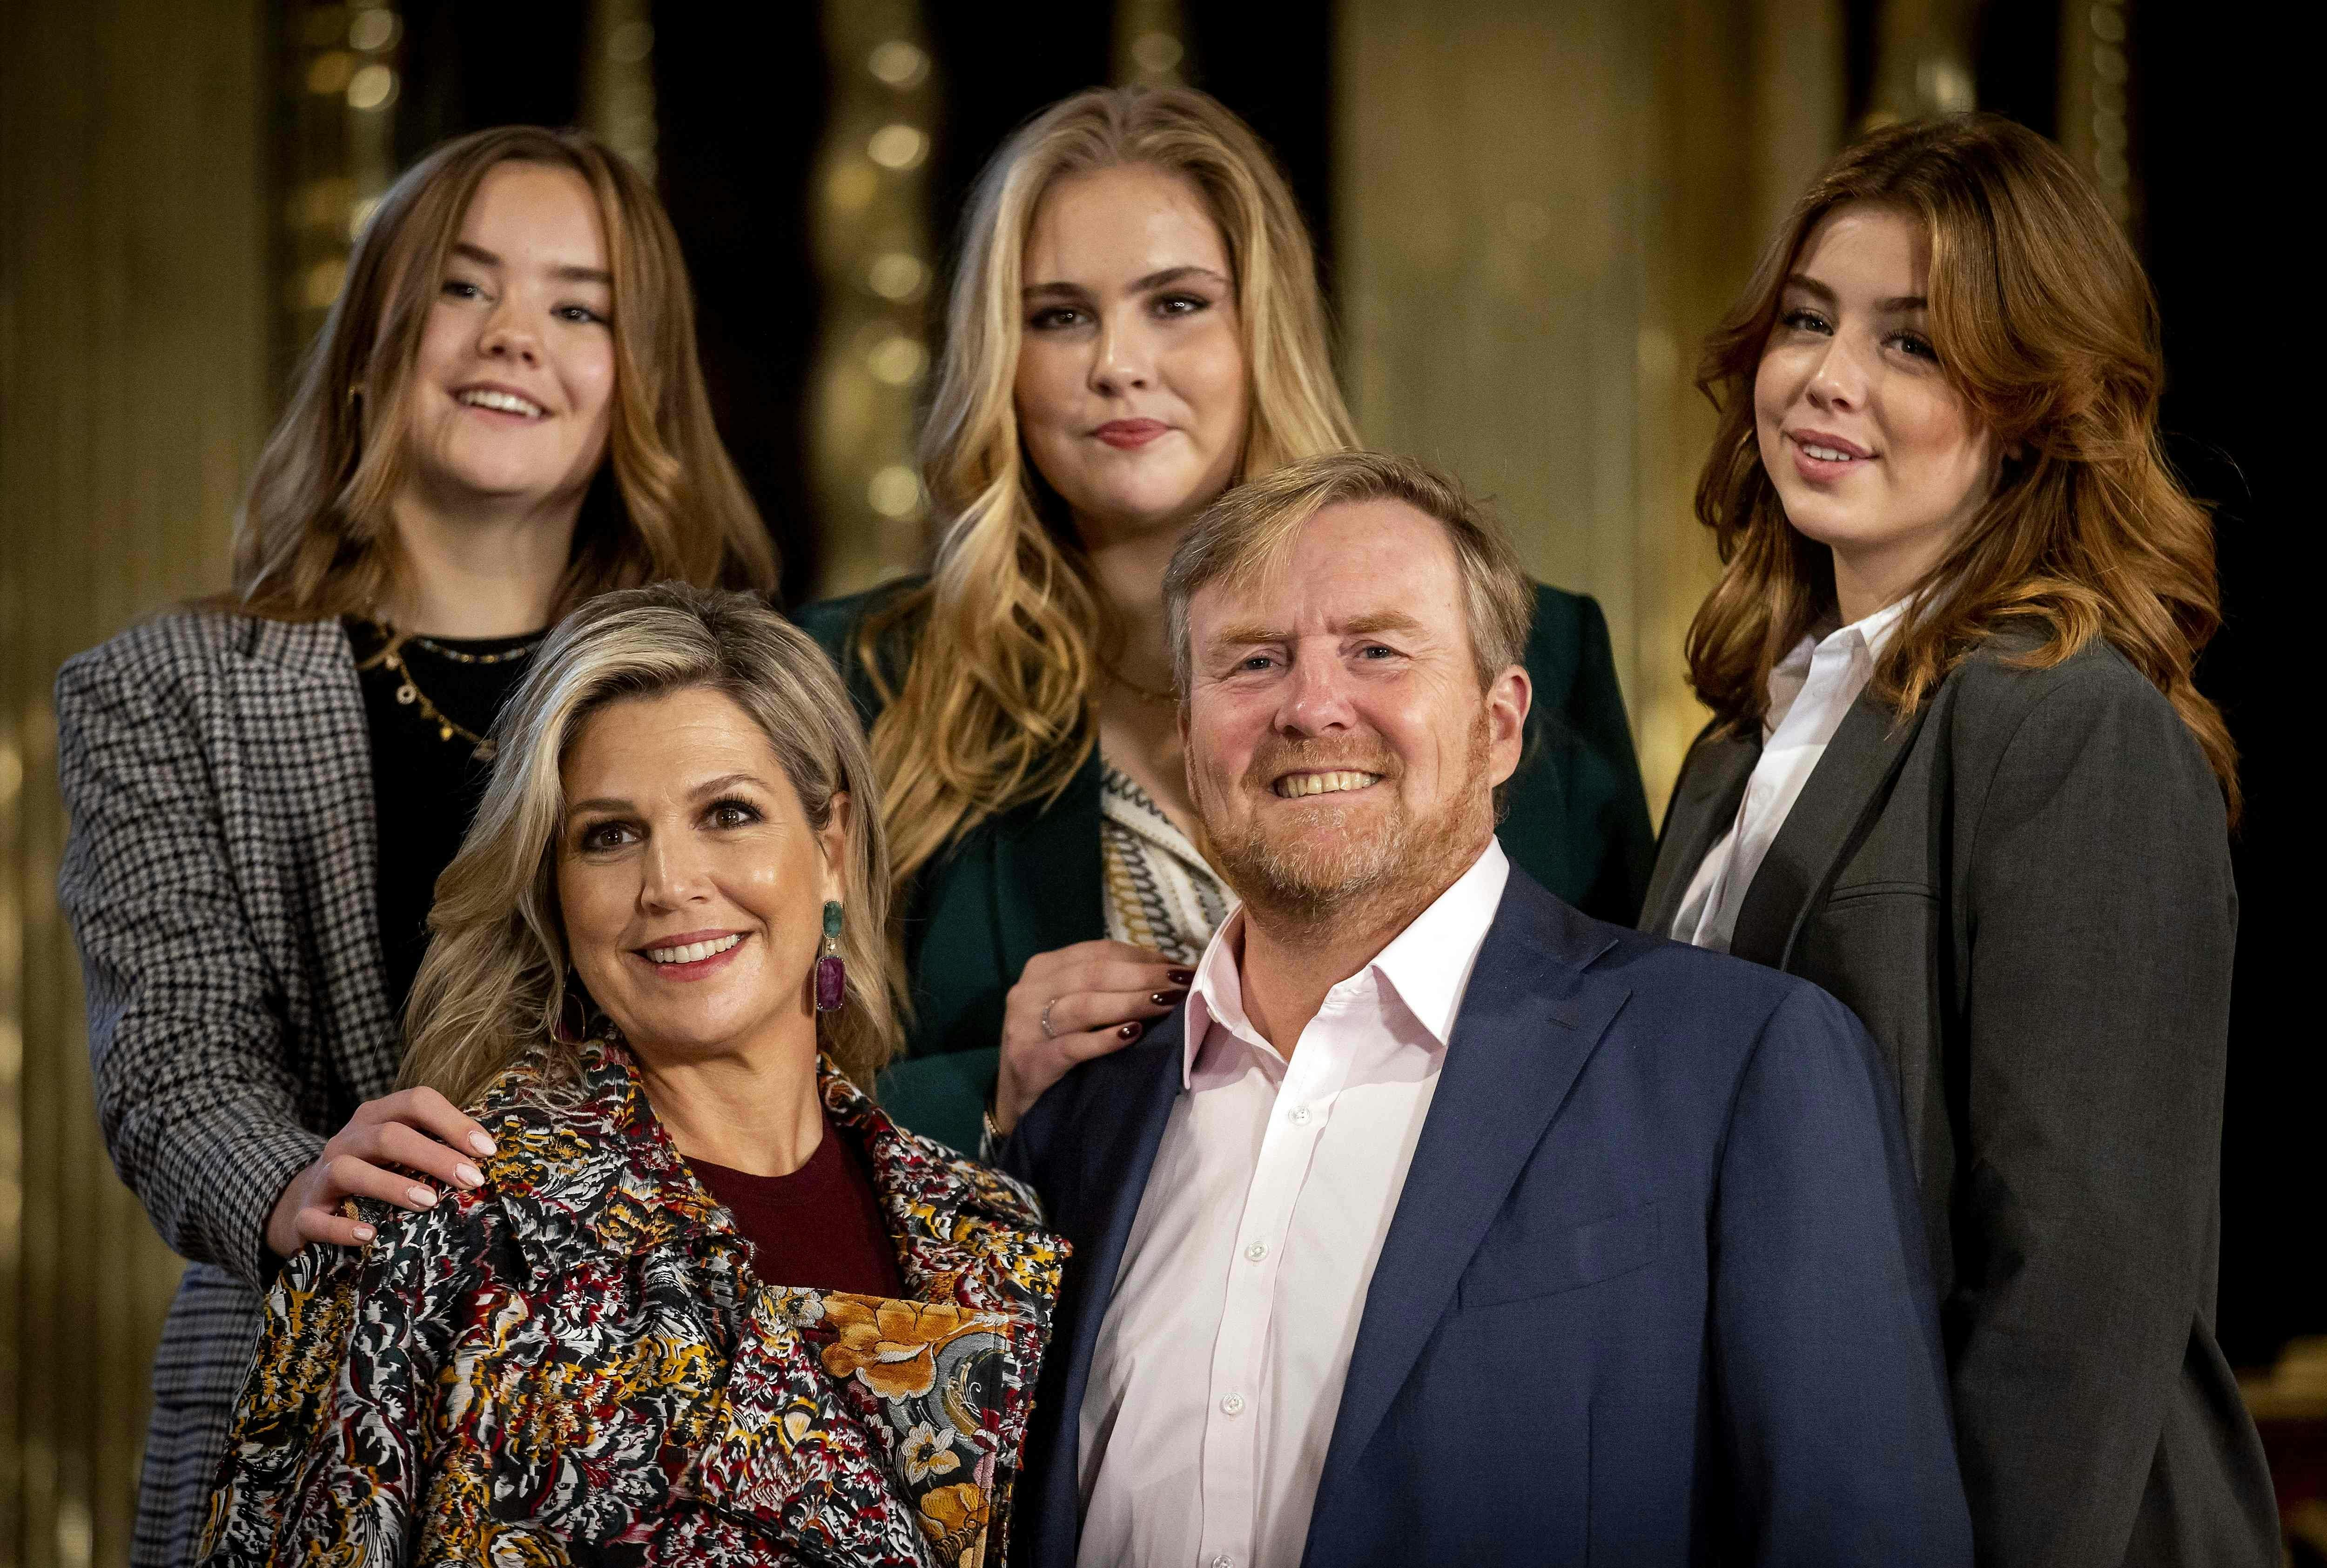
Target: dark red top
{"points": [[820, 1227]]}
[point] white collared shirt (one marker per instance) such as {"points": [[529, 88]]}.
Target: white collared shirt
{"points": [[1218, 1369], [1812, 691]]}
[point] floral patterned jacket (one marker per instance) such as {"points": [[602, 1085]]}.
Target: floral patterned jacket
{"points": [[575, 1363]]}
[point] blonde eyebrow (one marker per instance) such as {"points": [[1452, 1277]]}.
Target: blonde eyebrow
{"points": [[1357, 626], [702, 791], [1152, 281]]}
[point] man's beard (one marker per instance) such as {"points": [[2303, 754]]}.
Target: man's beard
{"points": [[1322, 859]]}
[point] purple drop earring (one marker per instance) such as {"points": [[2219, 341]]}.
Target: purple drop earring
{"points": [[831, 974]]}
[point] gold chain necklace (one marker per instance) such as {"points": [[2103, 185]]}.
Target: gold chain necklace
{"points": [[409, 692], [457, 656]]}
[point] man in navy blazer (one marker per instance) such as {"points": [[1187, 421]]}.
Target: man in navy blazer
{"points": [[1445, 1224]]}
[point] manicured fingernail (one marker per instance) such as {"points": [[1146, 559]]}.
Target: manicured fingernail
{"points": [[470, 1175], [423, 1197], [1161, 998], [480, 1143], [1129, 1031], [363, 1233], [1181, 976]]}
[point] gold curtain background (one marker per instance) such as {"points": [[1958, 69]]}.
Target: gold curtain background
{"points": [[1541, 206], [135, 323], [1542, 210]]}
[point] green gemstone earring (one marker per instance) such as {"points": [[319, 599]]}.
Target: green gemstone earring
{"points": [[831, 973]]}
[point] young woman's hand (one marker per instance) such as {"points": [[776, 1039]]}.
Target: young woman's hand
{"points": [[1072, 1004], [385, 1144]]}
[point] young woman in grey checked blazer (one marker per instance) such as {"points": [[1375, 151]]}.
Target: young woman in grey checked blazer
{"points": [[503, 416]]}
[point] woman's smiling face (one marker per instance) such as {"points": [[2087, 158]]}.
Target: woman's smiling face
{"points": [[1874, 450], [513, 391], [691, 882], [1131, 383]]}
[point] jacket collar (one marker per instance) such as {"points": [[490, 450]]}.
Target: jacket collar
{"points": [[1704, 807], [583, 1165], [1535, 1009], [1040, 847], [1828, 821], [303, 746], [1535, 1013]]}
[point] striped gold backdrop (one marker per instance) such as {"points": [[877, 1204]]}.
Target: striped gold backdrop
{"points": [[135, 307], [1542, 209]]}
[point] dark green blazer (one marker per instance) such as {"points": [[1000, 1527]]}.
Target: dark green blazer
{"points": [[1029, 880]]}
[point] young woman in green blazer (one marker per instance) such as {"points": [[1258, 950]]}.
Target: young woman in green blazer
{"points": [[1135, 326]]}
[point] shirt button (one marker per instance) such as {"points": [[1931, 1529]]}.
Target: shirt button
{"points": [[1257, 1251], [1298, 1116], [1232, 1405], [1223, 1559]]}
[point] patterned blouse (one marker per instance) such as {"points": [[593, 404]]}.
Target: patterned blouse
{"points": [[1160, 891], [575, 1363]]}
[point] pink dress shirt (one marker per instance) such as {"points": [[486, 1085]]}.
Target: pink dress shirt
{"points": [[1218, 1369]]}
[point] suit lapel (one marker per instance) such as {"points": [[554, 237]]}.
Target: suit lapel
{"points": [[1849, 781], [1529, 1021], [1047, 877], [1109, 1185], [1703, 807], [304, 756]]}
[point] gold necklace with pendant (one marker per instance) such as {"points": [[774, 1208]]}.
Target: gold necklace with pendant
{"points": [[447, 727]]}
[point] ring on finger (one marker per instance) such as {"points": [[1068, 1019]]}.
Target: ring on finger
{"points": [[1048, 1033]]}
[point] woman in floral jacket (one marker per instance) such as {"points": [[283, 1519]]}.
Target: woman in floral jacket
{"points": [[704, 1303]]}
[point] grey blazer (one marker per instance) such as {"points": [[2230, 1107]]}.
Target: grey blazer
{"points": [[2024, 891], [219, 876]]}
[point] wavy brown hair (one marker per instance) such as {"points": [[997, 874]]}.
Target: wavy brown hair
{"points": [[498, 975], [2045, 322], [995, 707], [315, 538]]}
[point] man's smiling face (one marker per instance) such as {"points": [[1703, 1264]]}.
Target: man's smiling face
{"points": [[1339, 745]]}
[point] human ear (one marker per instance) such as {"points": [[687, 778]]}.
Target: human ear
{"points": [[1507, 699], [831, 839]]}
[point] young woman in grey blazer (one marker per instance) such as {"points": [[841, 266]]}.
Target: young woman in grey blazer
{"points": [[502, 416], [1959, 777]]}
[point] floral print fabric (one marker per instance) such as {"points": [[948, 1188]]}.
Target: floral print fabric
{"points": [[575, 1363]]}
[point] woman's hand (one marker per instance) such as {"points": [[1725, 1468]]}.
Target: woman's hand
{"points": [[1094, 997], [385, 1143]]}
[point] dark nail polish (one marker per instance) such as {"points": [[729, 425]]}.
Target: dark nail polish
{"points": [[1129, 1031], [1164, 998], [1181, 976]]}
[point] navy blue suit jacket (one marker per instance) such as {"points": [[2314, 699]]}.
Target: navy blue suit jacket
{"points": [[1655, 1291]]}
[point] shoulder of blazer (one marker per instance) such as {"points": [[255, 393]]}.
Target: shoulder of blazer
{"points": [[2094, 704], [834, 623], [195, 645], [1096, 1096], [1989, 695]]}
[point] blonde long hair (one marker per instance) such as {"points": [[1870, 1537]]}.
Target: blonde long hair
{"points": [[2045, 323], [994, 708], [496, 979], [315, 538]]}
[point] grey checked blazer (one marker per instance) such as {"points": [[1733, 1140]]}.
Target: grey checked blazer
{"points": [[218, 875]]}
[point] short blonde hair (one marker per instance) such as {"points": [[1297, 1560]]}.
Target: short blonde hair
{"points": [[495, 978], [1250, 533]]}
